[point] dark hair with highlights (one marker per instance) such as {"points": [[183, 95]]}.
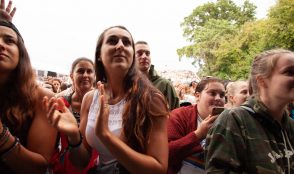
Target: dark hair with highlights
{"points": [[136, 117]]}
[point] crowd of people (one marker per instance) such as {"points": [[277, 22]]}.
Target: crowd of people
{"points": [[120, 116]]}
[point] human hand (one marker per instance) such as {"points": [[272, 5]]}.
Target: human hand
{"points": [[205, 125], [60, 117], [102, 128], [6, 13]]}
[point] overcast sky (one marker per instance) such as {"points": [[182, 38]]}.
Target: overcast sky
{"points": [[56, 32]]}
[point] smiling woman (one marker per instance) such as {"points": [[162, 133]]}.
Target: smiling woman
{"points": [[188, 126]]}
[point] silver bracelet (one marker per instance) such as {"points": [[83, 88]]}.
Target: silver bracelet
{"points": [[10, 149]]}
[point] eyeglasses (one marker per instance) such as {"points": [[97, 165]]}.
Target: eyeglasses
{"points": [[141, 52]]}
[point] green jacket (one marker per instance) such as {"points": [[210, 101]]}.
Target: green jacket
{"points": [[165, 86], [247, 140]]}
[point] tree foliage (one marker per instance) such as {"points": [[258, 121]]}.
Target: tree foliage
{"points": [[208, 26], [281, 22]]}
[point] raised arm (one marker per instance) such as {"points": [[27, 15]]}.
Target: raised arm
{"points": [[62, 119], [155, 159], [8, 12]]}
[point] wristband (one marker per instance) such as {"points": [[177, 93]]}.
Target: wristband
{"points": [[4, 139], [10, 149], [69, 147], [78, 144]]}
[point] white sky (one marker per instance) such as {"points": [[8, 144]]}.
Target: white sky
{"points": [[56, 32]]}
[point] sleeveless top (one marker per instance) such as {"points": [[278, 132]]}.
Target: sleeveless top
{"points": [[68, 102], [114, 124]]}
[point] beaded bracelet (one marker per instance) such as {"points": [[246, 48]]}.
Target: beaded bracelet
{"points": [[4, 139], [6, 152]]}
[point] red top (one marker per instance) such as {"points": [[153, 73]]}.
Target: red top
{"points": [[181, 137]]}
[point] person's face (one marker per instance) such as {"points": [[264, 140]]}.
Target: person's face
{"points": [[241, 94], [143, 57], [9, 52], [56, 84], [280, 85], [117, 51], [83, 76], [213, 95]]}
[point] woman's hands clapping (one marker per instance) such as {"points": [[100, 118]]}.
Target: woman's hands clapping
{"points": [[60, 117], [102, 128]]}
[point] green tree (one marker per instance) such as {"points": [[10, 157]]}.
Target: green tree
{"points": [[208, 26], [235, 55], [207, 40], [281, 22]]}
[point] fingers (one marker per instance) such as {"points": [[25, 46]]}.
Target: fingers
{"points": [[56, 119], [8, 8], [213, 118], [103, 98], [61, 106], [2, 5], [52, 108], [13, 12], [100, 86], [45, 103]]}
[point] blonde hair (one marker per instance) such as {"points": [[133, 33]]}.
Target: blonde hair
{"points": [[263, 65], [231, 88]]}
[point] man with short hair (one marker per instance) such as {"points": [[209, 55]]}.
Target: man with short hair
{"points": [[144, 64]]}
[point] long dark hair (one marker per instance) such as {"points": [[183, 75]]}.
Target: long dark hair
{"points": [[18, 95], [136, 117]]}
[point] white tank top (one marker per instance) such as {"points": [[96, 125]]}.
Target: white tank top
{"points": [[114, 124]]}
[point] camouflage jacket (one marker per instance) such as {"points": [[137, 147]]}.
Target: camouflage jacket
{"points": [[248, 140]]}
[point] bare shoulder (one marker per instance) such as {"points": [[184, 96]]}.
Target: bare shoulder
{"points": [[42, 92], [88, 97], [86, 104], [158, 105], [87, 100]]}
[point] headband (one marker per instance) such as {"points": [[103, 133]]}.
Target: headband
{"points": [[12, 26]]}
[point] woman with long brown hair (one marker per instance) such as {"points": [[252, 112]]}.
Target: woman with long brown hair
{"points": [[124, 119], [26, 139]]}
